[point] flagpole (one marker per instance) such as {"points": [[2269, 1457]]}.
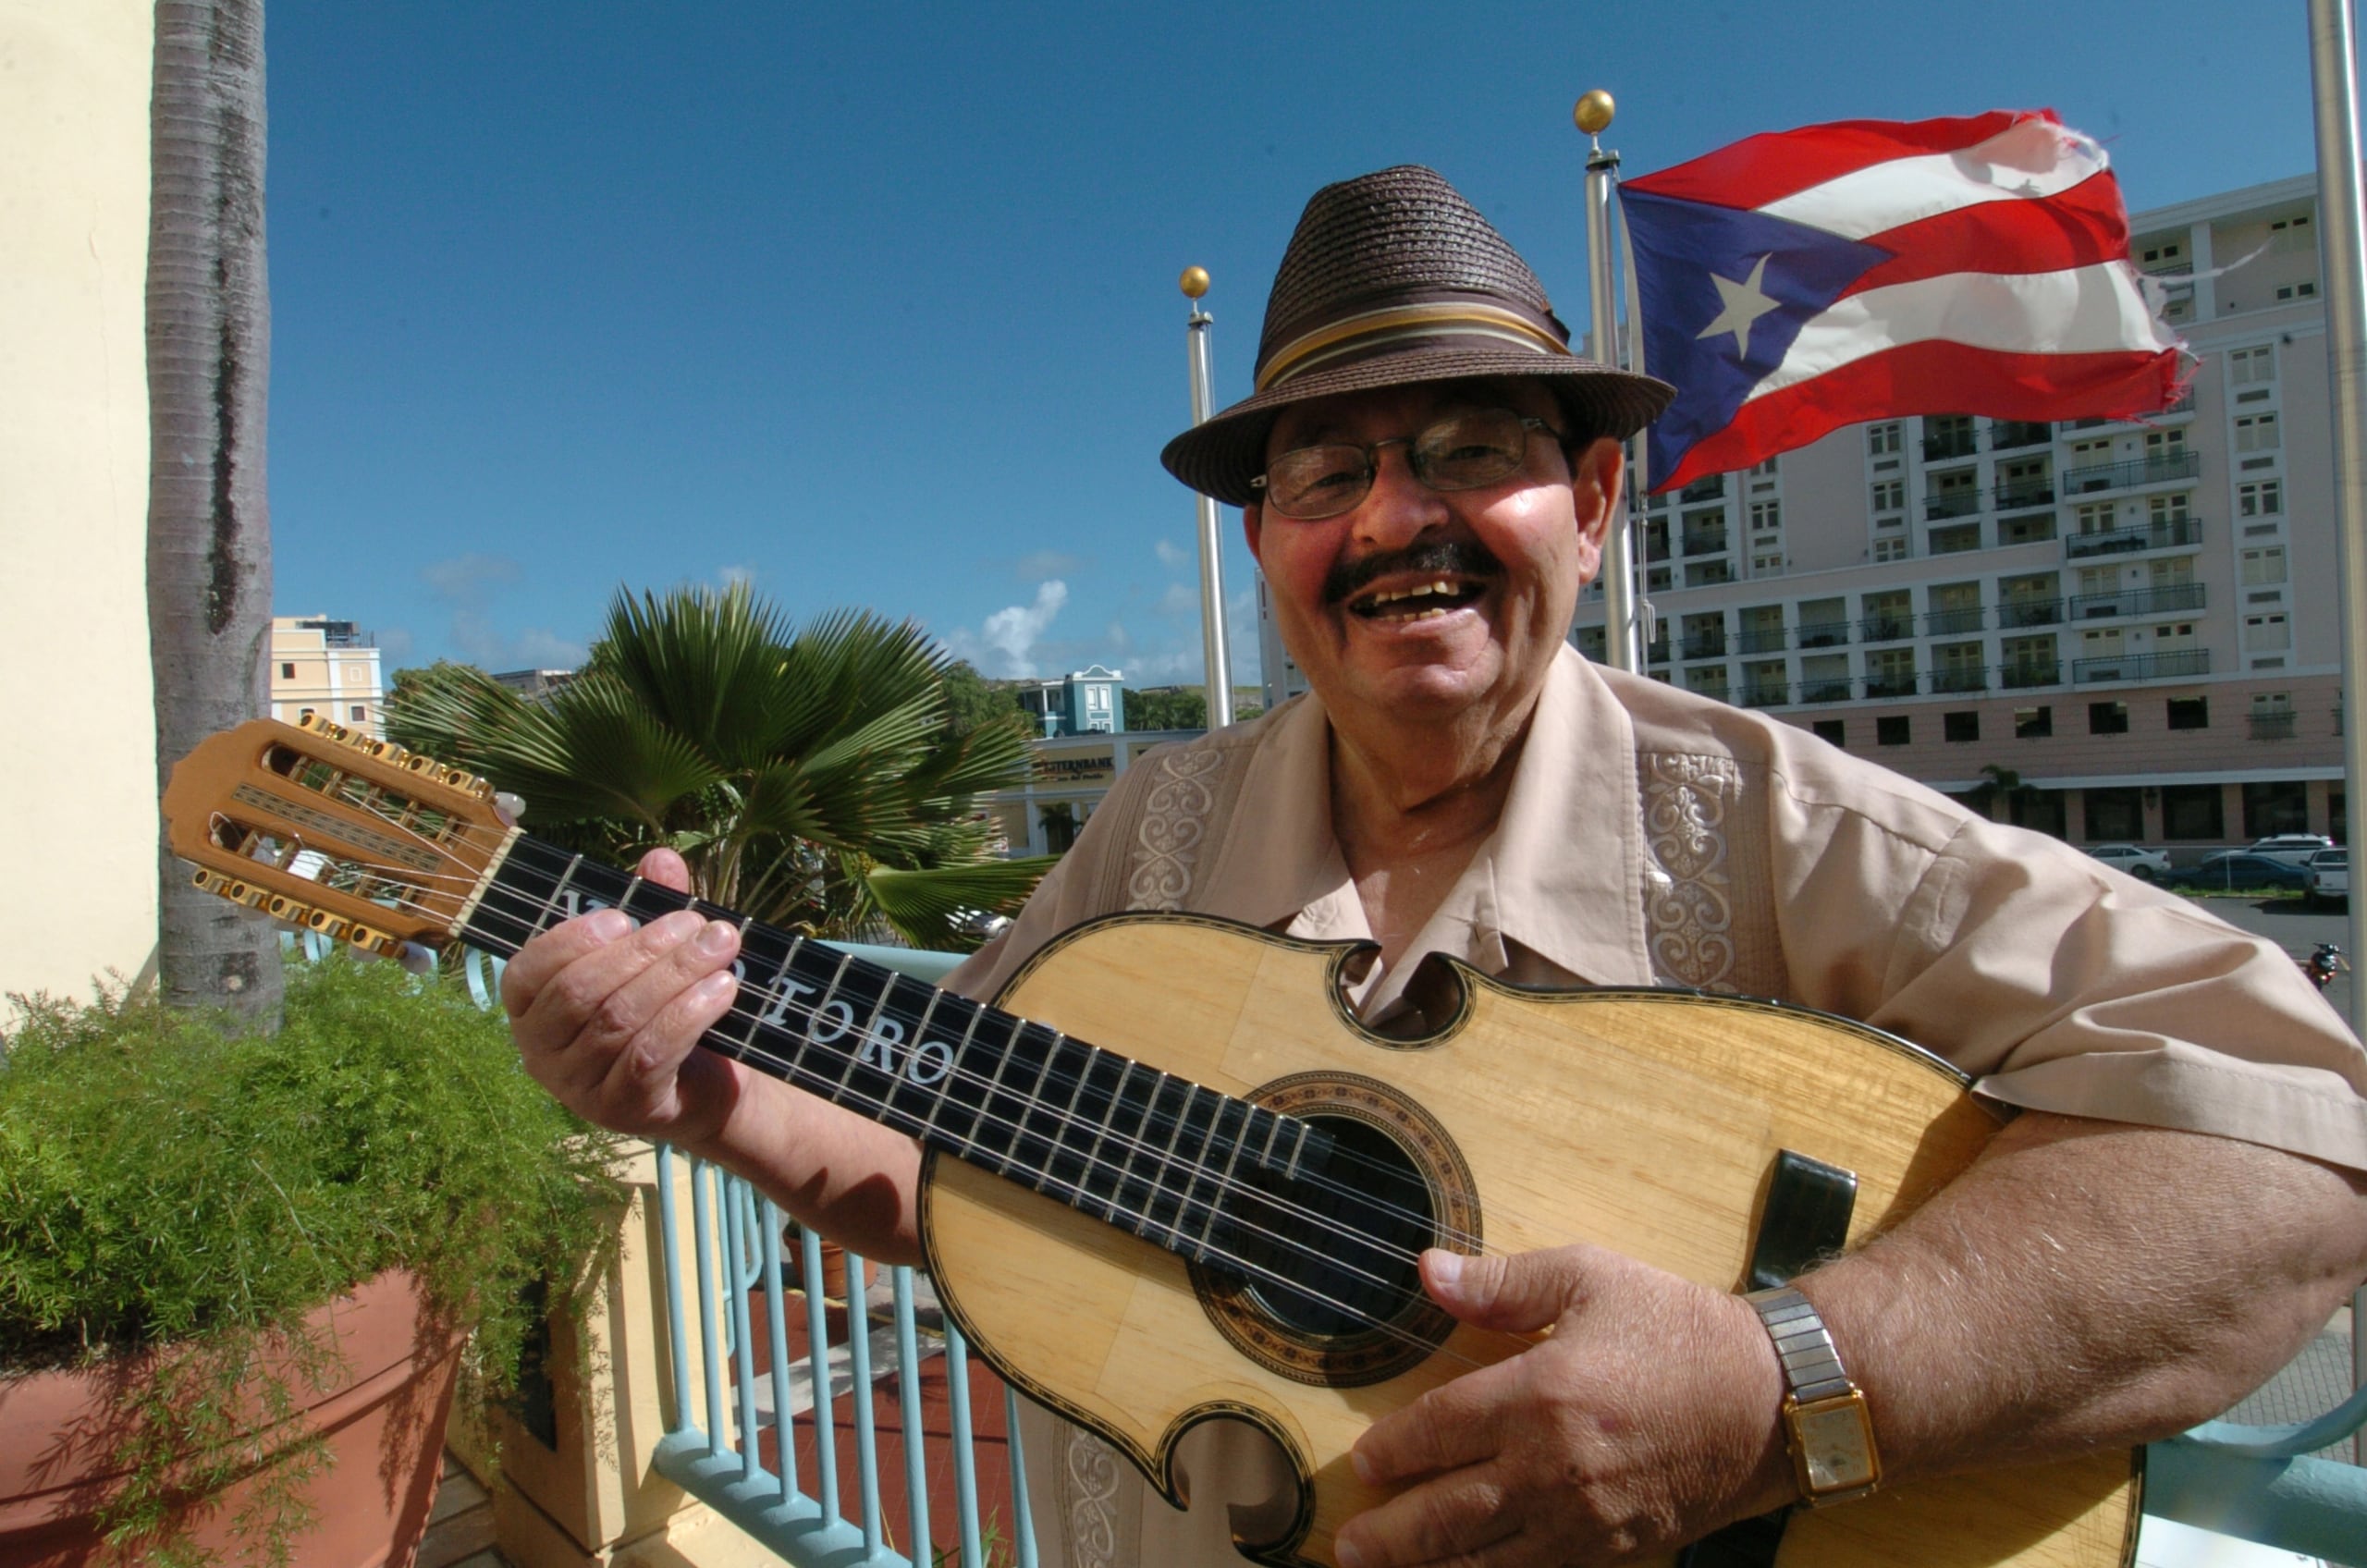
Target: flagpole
{"points": [[1622, 648], [2333, 90], [1216, 657]]}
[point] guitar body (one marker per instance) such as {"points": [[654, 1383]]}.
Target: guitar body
{"points": [[1646, 1121]]}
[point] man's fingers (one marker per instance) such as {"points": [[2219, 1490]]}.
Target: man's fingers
{"points": [[1519, 1292], [641, 1077], [666, 869], [523, 977], [1455, 1425], [1452, 1519]]}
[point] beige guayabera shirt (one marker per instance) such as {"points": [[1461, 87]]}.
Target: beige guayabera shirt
{"points": [[1652, 837]]}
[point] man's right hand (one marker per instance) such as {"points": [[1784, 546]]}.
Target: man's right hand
{"points": [[608, 1016]]}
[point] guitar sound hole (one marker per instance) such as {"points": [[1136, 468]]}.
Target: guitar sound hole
{"points": [[1335, 1254]]}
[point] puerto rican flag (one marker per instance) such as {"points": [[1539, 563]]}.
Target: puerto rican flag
{"points": [[1806, 280]]}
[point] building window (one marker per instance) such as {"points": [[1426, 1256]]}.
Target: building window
{"points": [[2166, 443], [2263, 566], [1892, 729], [2172, 250], [2279, 807], [2192, 811], [2107, 718], [1956, 540], [2033, 724], [1890, 496], [2189, 713], [1965, 726], [2030, 528], [2266, 633], [2265, 498], [1765, 468], [1832, 731], [358, 714], [2246, 366], [2298, 291], [303, 713], [1890, 549], [2162, 510], [2256, 432], [1882, 439], [2114, 814], [287, 672], [1766, 563], [1766, 516]]}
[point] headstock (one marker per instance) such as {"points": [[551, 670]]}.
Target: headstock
{"points": [[334, 831]]}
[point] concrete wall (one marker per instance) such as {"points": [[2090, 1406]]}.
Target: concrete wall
{"points": [[78, 786]]}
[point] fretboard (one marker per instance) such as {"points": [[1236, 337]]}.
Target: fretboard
{"points": [[1128, 1143]]}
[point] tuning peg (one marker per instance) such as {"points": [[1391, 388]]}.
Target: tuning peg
{"points": [[332, 926], [282, 907]]}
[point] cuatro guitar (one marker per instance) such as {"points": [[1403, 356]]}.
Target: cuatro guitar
{"points": [[1169, 1177]]}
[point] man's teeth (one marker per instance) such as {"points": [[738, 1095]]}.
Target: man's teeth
{"points": [[1381, 603]]}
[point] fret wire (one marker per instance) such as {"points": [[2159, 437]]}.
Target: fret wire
{"points": [[1033, 1100], [1265, 1157], [1068, 1116], [758, 1013], [551, 904], [954, 1073], [866, 1038], [1194, 1165], [1224, 1182], [1093, 1152], [905, 1078], [994, 1086], [1298, 1147], [1167, 1155]]}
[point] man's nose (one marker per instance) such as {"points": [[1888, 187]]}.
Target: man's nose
{"points": [[1399, 507]]}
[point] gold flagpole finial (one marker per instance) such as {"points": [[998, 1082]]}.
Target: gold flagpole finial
{"points": [[1195, 282], [1593, 112]]}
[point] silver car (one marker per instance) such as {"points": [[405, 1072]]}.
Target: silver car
{"points": [[2329, 876], [2146, 865]]}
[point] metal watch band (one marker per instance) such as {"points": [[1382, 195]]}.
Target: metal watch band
{"points": [[1812, 1367]]}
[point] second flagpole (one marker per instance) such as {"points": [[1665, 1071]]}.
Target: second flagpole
{"points": [[1216, 653], [1622, 627]]}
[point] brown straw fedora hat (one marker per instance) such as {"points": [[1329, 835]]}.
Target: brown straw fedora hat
{"points": [[1392, 279]]}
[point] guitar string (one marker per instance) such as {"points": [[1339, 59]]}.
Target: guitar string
{"points": [[1153, 1121], [1165, 1160]]}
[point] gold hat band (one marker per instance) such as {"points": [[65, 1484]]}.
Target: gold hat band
{"points": [[1361, 332]]}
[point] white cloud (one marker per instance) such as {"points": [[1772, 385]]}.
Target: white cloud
{"points": [[1180, 600], [1171, 554], [735, 576], [1015, 631], [465, 584]]}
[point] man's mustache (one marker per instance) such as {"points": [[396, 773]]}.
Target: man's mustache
{"points": [[1460, 557]]}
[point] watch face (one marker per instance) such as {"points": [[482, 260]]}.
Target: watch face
{"points": [[1836, 1449]]}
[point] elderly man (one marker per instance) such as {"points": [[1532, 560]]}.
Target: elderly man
{"points": [[1427, 474]]}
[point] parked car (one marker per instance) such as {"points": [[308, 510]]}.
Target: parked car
{"points": [[2294, 849], [2146, 865], [2329, 876], [2239, 871]]}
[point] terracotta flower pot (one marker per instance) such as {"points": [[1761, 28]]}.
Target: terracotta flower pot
{"points": [[383, 1425], [834, 1269]]}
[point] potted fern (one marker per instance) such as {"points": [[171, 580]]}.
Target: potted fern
{"points": [[239, 1276]]}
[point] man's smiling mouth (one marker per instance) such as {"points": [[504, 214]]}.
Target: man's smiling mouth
{"points": [[1420, 602]]}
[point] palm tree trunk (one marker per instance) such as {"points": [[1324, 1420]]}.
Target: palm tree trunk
{"points": [[209, 523]]}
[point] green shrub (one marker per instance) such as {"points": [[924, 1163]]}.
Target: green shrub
{"points": [[167, 1181]]}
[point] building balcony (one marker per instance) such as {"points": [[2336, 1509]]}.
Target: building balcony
{"points": [[2034, 672], [2173, 535], [2026, 493], [2271, 723], [2127, 475], [1954, 503], [1974, 679], [1706, 488], [1712, 646], [1770, 695], [2183, 406], [1707, 541], [2142, 667], [1941, 622], [2030, 612], [1893, 685], [1940, 449], [1715, 690], [2016, 432], [1760, 640], [1886, 627], [2171, 600], [1825, 691], [1824, 634]]}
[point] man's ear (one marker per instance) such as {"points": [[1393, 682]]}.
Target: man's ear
{"points": [[1253, 523], [1596, 475]]}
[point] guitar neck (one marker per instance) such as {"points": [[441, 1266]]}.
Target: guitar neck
{"points": [[1147, 1152]]}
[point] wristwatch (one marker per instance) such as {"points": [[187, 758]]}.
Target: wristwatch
{"points": [[1830, 1432]]}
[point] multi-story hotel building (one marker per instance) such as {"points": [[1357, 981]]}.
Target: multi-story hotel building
{"points": [[2135, 620], [326, 667]]}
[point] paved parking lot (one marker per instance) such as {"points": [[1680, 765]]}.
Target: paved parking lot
{"points": [[2294, 927]]}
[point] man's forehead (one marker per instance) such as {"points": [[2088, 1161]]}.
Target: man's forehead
{"points": [[1349, 414]]}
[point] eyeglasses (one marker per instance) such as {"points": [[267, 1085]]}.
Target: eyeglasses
{"points": [[1462, 451]]}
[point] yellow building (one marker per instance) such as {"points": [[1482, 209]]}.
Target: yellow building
{"points": [[76, 704], [329, 668]]}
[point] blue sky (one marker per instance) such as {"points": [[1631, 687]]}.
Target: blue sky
{"points": [[876, 305]]}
